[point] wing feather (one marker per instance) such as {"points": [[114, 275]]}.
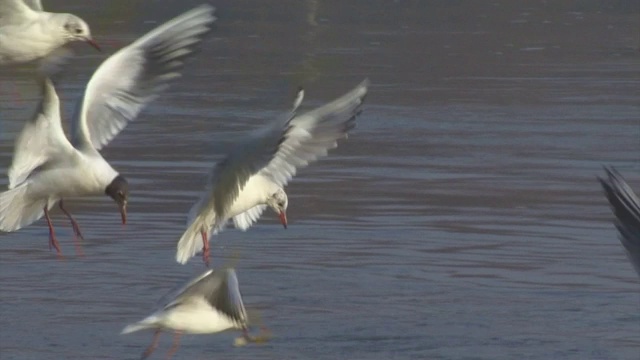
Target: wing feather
{"points": [[246, 219], [626, 207], [314, 133], [41, 139], [136, 75]]}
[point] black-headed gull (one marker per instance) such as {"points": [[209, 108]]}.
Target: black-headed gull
{"points": [[208, 303], [28, 33], [252, 175], [626, 207], [47, 168]]}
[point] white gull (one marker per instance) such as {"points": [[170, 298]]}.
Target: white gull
{"points": [[27, 33], [252, 175], [206, 304], [48, 168]]}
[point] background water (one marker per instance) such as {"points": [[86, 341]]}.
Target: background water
{"points": [[461, 220]]}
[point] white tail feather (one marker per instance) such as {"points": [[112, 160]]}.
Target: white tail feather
{"points": [[148, 323], [17, 209], [191, 241]]}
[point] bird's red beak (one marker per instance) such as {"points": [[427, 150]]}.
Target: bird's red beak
{"points": [[93, 43], [123, 212], [283, 218]]}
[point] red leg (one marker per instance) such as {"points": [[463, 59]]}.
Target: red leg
{"points": [[77, 235], [52, 235], [174, 347], [205, 247], [152, 347]]}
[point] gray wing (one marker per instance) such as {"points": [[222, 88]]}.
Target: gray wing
{"points": [[34, 4], [310, 135], [626, 207], [229, 176], [220, 288], [180, 289], [14, 11], [136, 75]]}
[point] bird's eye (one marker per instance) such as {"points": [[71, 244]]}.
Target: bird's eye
{"points": [[281, 204], [78, 31]]}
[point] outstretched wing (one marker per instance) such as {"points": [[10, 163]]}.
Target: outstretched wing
{"points": [[220, 288], [626, 207], [41, 139], [313, 134], [136, 75]]}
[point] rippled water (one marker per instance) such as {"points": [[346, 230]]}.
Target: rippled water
{"points": [[461, 220]]}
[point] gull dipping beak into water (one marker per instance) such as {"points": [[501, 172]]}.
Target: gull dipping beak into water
{"points": [[48, 168], [626, 207], [252, 175], [28, 33], [207, 304]]}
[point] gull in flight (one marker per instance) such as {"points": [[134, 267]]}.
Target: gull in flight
{"points": [[252, 175], [626, 207], [48, 168], [209, 303], [28, 33]]}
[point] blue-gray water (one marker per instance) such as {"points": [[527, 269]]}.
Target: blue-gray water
{"points": [[462, 219]]}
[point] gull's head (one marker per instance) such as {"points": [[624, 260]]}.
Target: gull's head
{"points": [[118, 190], [76, 29], [278, 201]]}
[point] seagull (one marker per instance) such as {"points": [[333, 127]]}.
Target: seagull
{"points": [[626, 207], [28, 33], [48, 168], [208, 303], [252, 175]]}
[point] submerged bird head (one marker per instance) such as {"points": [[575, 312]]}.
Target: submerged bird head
{"points": [[118, 190], [278, 201], [76, 29]]}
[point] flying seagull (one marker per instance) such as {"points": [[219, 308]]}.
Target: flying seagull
{"points": [[206, 304], [48, 168], [29, 33], [252, 175]]}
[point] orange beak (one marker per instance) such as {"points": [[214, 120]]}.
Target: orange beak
{"points": [[93, 43], [283, 218]]}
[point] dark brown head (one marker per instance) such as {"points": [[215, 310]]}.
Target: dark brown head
{"points": [[118, 190]]}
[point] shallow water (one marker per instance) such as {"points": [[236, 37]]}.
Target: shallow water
{"points": [[462, 219]]}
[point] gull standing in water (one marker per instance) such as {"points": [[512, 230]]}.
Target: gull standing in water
{"points": [[252, 175], [47, 168], [626, 207], [207, 304], [28, 33]]}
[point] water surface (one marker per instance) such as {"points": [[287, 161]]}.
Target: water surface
{"points": [[461, 220]]}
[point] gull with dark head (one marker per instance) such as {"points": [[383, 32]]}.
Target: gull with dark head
{"points": [[48, 168], [252, 175], [209, 303], [626, 207], [28, 33]]}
